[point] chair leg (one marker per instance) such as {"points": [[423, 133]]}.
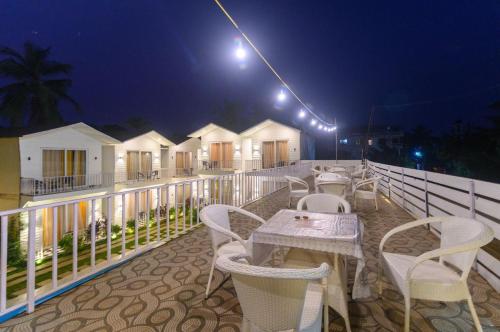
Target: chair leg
{"points": [[473, 313], [290, 201], [354, 201], [210, 275], [407, 314], [376, 204]]}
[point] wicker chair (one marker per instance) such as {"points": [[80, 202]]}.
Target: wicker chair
{"points": [[324, 203], [333, 187], [302, 191], [423, 278], [300, 258], [366, 189], [277, 299], [224, 241]]}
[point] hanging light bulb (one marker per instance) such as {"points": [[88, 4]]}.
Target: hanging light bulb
{"points": [[313, 122], [320, 127], [240, 53], [325, 128], [334, 128], [281, 96], [302, 114]]}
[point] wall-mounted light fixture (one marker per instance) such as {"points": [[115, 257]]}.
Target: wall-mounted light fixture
{"points": [[120, 156]]}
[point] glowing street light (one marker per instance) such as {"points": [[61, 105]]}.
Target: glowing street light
{"points": [[240, 53], [302, 114], [281, 96], [313, 122]]}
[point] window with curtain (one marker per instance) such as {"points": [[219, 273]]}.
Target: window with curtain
{"points": [[52, 163]]}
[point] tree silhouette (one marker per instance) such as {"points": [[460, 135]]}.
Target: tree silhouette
{"points": [[36, 88]]}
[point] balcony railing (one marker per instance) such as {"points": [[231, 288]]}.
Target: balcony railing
{"points": [[219, 165], [257, 164], [60, 184], [121, 225]]}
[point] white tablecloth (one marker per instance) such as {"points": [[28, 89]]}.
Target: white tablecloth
{"points": [[333, 233]]}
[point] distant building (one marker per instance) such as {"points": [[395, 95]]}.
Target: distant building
{"points": [[352, 142]]}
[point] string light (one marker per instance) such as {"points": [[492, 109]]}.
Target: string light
{"points": [[240, 53], [282, 96], [313, 122], [302, 114], [320, 127]]}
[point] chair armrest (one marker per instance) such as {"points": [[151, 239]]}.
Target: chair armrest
{"points": [[404, 227], [248, 214], [464, 247], [310, 318]]}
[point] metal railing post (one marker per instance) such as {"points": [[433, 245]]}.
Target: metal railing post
{"points": [[426, 197], [30, 277], [472, 207]]}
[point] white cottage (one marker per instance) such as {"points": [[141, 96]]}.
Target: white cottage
{"points": [[142, 158], [185, 157], [269, 144], [220, 148], [55, 165]]}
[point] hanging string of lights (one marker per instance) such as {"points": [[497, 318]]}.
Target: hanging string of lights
{"points": [[241, 54]]}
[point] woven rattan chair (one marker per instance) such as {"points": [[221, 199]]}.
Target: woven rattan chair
{"points": [[423, 278], [294, 192], [300, 258], [277, 299], [324, 203], [366, 189], [224, 241]]}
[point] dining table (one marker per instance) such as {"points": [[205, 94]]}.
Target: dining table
{"points": [[339, 233]]}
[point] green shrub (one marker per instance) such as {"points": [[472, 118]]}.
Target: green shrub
{"points": [[115, 230]]}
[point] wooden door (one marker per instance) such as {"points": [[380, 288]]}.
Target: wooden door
{"points": [[227, 155], [215, 154], [179, 160], [132, 165], [281, 153], [268, 154]]}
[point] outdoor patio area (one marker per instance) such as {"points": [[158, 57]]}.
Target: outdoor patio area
{"points": [[164, 289]]}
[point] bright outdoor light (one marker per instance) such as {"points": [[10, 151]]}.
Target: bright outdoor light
{"points": [[240, 53], [281, 96], [313, 122], [302, 114], [320, 127], [334, 128]]}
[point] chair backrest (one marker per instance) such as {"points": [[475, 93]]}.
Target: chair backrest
{"points": [[329, 177], [332, 187], [216, 216], [292, 179], [271, 298], [373, 181], [456, 231], [324, 203]]}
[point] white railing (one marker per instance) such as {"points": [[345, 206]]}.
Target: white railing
{"points": [[426, 194], [144, 176], [331, 163], [258, 164], [59, 184], [219, 165], [118, 227]]}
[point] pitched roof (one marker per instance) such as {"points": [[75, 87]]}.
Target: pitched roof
{"points": [[207, 129], [155, 136], [252, 130], [79, 126]]}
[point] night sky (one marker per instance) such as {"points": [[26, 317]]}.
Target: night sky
{"points": [[172, 62]]}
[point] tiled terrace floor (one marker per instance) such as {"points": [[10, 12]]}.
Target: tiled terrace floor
{"points": [[163, 290]]}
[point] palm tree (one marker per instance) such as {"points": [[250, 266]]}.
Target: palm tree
{"points": [[36, 88]]}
